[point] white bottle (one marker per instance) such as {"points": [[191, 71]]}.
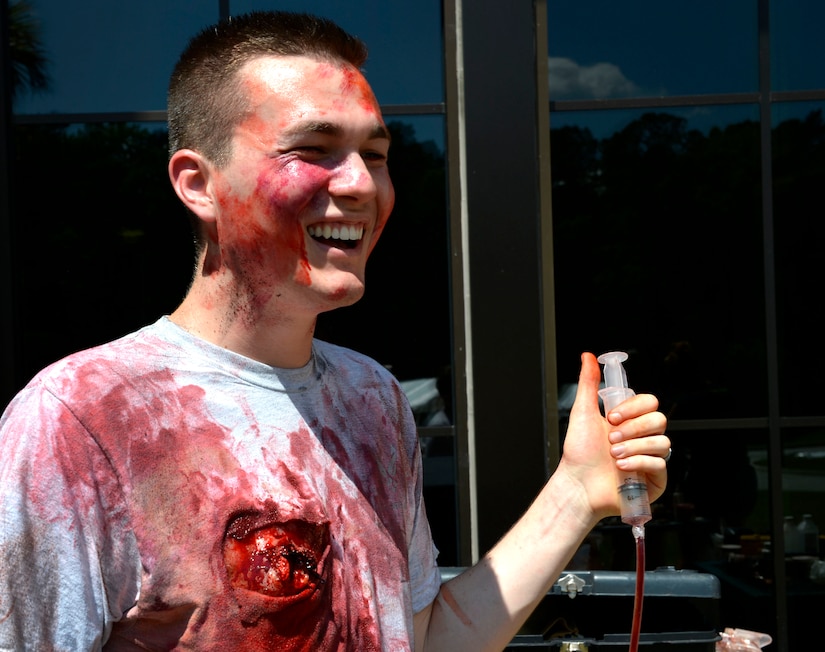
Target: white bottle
{"points": [[792, 536], [808, 535]]}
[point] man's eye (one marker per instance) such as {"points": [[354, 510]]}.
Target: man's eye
{"points": [[309, 149], [374, 156]]}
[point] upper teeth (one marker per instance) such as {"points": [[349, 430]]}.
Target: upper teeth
{"points": [[337, 232]]}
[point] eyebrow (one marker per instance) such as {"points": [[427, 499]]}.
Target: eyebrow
{"points": [[332, 129]]}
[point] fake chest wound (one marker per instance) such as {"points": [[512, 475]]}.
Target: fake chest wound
{"points": [[279, 560]]}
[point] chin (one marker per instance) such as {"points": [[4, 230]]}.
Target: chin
{"points": [[343, 297]]}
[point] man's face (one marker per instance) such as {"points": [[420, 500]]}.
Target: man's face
{"points": [[306, 192]]}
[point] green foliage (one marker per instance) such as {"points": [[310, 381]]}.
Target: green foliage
{"points": [[29, 62]]}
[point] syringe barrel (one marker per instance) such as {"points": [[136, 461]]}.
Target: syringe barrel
{"points": [[635, 504], [612, 396]]}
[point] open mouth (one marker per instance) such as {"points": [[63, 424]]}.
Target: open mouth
{"points": [[343, 236]]}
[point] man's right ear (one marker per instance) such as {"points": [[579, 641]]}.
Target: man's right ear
{"points": [[189, 174]]}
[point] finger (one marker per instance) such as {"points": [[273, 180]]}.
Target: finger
{"points": [[657, 446], [652, 467], [633, 407], [652, 423]]}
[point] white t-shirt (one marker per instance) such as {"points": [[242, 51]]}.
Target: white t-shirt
{"points": [[159, 492]]}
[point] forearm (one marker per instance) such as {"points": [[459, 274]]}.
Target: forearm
{"points": [[484, 607]]}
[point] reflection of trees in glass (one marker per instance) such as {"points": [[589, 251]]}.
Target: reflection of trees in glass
{"points": [[101, 244], [675, 216], [28, 57], [799, 225]]}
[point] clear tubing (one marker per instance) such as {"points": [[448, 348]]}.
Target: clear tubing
{"points": [[636, 626]]}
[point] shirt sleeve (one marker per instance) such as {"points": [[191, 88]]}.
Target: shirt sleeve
{"points": [[69, 558], [425, 579]]}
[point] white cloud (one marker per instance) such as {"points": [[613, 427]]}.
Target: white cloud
{"points": [[599, 81]]}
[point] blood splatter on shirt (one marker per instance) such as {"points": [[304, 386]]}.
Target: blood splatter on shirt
{"points": [[162, 493]]}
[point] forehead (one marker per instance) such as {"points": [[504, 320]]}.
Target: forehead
{"points": [[300, 84]]}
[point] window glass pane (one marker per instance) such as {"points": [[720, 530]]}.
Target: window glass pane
{"points": [[440, 495], [668, 218], [797, 46], [803, 490], [803, 482], [112, 56], [106, 250], [714, 517], [799, 176], [406, 52], [604, 49], [724, 480]]}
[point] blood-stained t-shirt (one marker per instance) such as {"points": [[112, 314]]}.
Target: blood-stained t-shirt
{"points": [[159, 493]]}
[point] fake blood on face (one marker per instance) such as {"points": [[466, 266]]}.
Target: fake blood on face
{"points": [[263, 251], [297, 161], [354, 83]]}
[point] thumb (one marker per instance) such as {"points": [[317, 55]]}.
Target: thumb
{"points": [[587, 392]]}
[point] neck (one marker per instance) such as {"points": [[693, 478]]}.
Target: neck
{"points": [[271, 336]]}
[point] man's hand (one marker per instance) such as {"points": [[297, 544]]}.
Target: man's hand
{"points": [[631, 439]]}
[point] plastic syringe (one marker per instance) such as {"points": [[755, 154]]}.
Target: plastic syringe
{"points": [[635, 503]]}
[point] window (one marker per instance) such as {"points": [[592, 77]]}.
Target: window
{"points": [[684, 154]]}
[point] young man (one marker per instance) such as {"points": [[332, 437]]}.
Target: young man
{"points": [[222, 480]]}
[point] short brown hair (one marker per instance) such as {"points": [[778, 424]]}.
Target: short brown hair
{"points": [[204, 102]]}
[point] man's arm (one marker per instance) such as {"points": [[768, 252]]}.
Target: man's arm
{"points": [[484, 607]]}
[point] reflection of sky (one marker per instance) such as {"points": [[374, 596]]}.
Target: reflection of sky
{"points": [[603, 48], [405, 65], [605, 123], [117, 56], [655, 48], [112, 56]]}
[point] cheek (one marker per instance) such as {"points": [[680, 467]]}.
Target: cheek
{"points": [[385, 206], [287, 191], [265, 223]]}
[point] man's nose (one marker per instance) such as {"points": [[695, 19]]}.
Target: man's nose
{"points": [[353, 178]]}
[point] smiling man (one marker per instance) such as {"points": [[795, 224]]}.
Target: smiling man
{"points": [[221, 479], [288, 221]]}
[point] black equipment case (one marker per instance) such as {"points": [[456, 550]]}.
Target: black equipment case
{"points": [[592, 610]]}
